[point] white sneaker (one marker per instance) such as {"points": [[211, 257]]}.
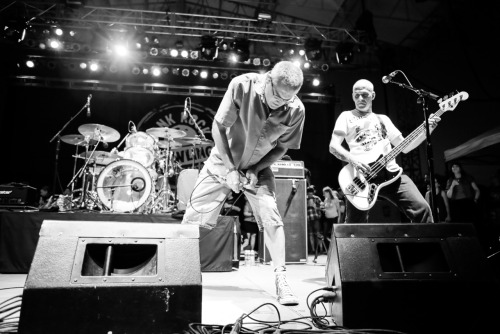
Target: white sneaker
{"points": [[284, 292]]}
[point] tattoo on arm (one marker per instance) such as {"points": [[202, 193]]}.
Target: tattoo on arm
{"points": [[339, 155]]}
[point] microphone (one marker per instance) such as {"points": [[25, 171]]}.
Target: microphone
{"points": [[184, 115], [294, 186], [388, 78], [88, 105]]}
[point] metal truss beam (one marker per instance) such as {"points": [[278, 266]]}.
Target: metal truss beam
{"points": [[187, 24]]}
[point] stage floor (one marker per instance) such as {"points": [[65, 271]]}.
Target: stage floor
{"points": [[228, 295]]}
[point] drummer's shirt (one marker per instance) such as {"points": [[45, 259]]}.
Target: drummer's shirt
{"points": [[252, 128]]}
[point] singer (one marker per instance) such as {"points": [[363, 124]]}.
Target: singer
{"points": [[258, 120], [369, 136]]}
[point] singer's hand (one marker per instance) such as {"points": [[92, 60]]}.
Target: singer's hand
{"points": [[233, 181]]}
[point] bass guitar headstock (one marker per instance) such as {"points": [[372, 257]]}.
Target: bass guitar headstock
{"points": [[450, 102]]}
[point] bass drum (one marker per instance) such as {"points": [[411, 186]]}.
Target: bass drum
{"points": [[124, 186]]}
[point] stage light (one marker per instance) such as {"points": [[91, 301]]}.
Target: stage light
{"points": [[120, 50], [184, 54], [54, 44], [153, 52], [313, 49], [94, 67], [136, 70], [233, 75], [264, 16], [302, 52], [194, 54], [307, 65], [297, 63], [145, 71], [113, 68], [175, 71], [155, 71], [195, 72], [30, 63], [224, 75], [185, 72], [83, 65], [203, 74], [164, 69], [266, 62], [174, 53], [51, 65], [58, 31], [208, 47], [215, 75], [315, 82], [256, 61], [325, 67]]}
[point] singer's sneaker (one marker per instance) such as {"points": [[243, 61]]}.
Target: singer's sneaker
{"points": [[284, 292]]}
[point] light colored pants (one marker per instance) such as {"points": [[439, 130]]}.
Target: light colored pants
{"points": [[210, 192]]}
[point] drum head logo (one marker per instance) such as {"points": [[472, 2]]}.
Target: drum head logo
{"points": [[192, 149]]}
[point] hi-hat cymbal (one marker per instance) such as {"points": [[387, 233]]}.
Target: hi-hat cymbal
{"points": [[165, 132], [78, 140], [98, 131], [193, 141], [100, 157]]}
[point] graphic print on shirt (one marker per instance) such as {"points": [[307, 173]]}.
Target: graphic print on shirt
{"points": [[369, 134]]}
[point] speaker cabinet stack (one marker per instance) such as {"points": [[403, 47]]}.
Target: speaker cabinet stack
{"points": [[291, 199], [415, 278], [113, 277]]}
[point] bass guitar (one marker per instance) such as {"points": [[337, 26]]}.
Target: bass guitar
{"points": [[361, 189]]}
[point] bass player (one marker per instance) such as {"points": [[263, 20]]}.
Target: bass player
{"points": [[371, 136]]}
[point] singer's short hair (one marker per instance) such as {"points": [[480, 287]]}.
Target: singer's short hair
{"points": [[288, 74]]}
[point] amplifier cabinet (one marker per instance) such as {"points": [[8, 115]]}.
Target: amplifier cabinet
{"points": [[288, 169], [293, 211], [14, 196]]}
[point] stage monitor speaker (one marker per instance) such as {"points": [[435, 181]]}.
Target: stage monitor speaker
{"points": [[113, 277], [415, 278], [217, 245], [291, 199]]}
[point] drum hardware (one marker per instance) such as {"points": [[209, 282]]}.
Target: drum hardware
{"points": [[78, 140]]}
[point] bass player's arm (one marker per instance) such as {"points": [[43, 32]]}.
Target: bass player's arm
{"points": [[342, 154]]}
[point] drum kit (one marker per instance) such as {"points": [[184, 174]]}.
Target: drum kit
{"points": [[136, 179]]}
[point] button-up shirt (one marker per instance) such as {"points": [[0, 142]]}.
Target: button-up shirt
{"points": [[252, 128]]}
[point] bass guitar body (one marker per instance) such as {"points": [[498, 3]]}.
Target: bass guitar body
{"points": [[362, 190]]}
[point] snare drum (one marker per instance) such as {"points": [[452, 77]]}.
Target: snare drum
{"points": [[140, 147]]}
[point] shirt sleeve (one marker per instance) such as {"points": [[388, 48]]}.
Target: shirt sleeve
{"points": [[341, 124], [230, 105]]}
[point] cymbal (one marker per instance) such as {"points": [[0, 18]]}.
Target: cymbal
{"points": [[100, 157], [165, 132], [96, 131], [78, 140], [193, 141]]}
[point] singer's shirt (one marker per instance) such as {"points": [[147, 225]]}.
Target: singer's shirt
{"points": [[367, 136], [252, 128]]}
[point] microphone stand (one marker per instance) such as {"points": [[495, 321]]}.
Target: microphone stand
{"points": [[58, 146], [202, 135], [422, 95]]}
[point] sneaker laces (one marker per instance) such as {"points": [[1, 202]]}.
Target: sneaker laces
{"points": [[283, 290]]}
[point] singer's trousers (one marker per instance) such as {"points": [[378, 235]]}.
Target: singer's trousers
{"points": [[405, 195], [209, 194]]}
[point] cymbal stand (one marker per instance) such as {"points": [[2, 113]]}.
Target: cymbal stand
{"points": [[164, 190], [58, 136]]}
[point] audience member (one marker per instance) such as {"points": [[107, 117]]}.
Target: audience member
{"points": [[463, 193], [249, 228], [331, 209], [314, 215]]}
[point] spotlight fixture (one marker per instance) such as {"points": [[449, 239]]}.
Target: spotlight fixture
{"points": [[256, 61], [185, 72], [203, 74], [155, 71], [194, 54], [325, 67], [136, 70], [315, 82], [266, 62], [153, 52], [195, 72], [224, 75], [30, 63]]}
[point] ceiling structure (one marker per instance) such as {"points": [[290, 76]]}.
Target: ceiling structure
{"points": [[272, 27]]}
